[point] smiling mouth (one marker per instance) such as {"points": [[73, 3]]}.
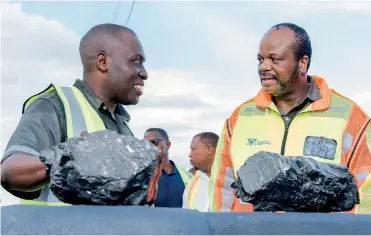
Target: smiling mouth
{"points": [[139, 88], [267, 78]]}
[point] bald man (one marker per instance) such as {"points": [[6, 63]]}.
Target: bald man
{"points": [[113, 75]]}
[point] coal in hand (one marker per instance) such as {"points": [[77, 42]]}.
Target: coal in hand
{"points": [[272, 182], [103, 168]]}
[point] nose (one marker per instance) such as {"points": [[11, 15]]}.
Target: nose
{"points": [[265, 65], [143, 74], [190, 155]]}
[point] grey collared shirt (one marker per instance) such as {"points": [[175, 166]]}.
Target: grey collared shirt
{"points": [[43, 124], [312, 95]]}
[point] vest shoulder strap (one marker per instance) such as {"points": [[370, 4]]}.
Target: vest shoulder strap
{"points": [[31, 99], [80, 115], [185, 175]]}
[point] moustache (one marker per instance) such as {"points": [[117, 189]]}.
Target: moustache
{"points": [[268, 76]]}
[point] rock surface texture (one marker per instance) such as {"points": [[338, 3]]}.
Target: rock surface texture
{"points": [[103, 168], [272, 182]]}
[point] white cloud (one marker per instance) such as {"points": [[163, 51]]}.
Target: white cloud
{"points": [[350, 5]]}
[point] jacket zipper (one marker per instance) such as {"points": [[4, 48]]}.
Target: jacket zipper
{"points": [[286, 131], [287, 125]]}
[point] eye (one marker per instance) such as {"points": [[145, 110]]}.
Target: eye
{"points": [[260, 60], [136, 62], [275, 60]]}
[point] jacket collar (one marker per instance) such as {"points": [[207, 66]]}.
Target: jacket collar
{"points": [[264, 99]]}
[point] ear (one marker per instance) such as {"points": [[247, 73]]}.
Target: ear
{"points": [[210, 149], [102, 62], [168, 144], [303, 64]]}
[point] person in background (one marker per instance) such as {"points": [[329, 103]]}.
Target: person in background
{"points": [[173, 178], [192, 170], [294, 114], [203, 147]]}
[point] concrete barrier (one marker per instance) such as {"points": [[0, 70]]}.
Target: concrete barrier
{"points": [[106, 220]]}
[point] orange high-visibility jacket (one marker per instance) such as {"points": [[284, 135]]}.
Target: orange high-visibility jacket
{"points": [[256, 125]]}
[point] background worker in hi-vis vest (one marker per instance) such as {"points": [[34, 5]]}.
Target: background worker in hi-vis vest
{"points": [[202, 154], [294, 114], [113, 75]]}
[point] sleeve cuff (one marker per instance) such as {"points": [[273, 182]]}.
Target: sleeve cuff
{"points": [[19, 149]]}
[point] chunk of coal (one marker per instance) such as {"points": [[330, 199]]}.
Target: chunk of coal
{"points": [[272, 182], [103, 168]]}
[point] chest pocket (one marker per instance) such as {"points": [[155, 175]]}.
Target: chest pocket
{"points": [[320, 147]]}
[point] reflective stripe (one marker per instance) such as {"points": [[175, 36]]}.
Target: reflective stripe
{"points": [[363, 175], [365, 197], [184, 175], [196, 193], [80, 116], [227, 190], [77, 116], [193, 191], [91, 117], [347, 142]]}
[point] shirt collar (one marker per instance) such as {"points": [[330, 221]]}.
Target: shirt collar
{"points": [[95, 102], [313, 91], [174, 170]]}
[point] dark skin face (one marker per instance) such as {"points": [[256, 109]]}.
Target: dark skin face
{"points": [[201, 155], [280, 72], [122, 72], [157, 140]]}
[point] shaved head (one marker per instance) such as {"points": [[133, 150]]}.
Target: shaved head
{"points": [[100, 39], [113, 64]]}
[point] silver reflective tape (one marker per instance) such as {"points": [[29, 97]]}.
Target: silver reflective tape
{"points": [[363, 175], [78, 119], [43, 194], [337, 109], [52, 197], [347, 142], [227, 190]]}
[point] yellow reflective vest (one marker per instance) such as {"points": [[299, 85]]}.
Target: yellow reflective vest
{"points": [[195, 195], [333, 129], [184, 175], [80, 116]]}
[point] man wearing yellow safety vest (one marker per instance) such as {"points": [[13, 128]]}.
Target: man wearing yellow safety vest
{"points": [[173, 178], [293, 114], [113, 75], [202, 154]]}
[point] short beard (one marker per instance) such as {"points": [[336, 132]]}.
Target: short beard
{"points": [[285, 86]]}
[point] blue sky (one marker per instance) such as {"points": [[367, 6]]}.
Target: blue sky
{"points": [[201, 55]]}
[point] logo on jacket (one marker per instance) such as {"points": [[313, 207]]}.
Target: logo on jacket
{"points": [[257, 142]]}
